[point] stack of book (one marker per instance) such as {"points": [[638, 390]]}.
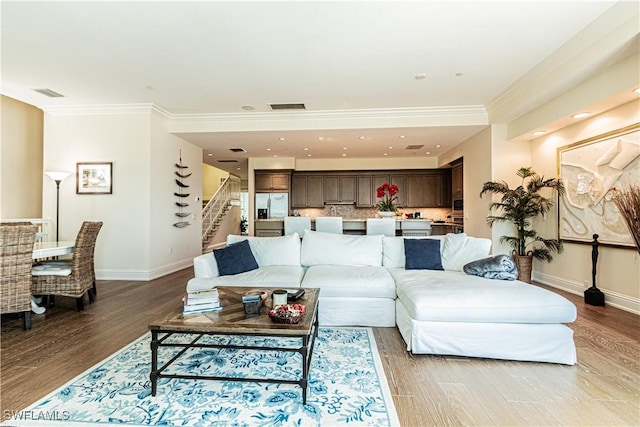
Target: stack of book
{"points": [[201, 301]]}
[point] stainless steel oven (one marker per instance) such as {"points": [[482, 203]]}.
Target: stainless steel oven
{"points": [[458, 209]]}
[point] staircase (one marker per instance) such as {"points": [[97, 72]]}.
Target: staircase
{"points": [[215, 210]]}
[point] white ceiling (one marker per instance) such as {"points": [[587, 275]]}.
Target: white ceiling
{"points": [[208, 60]]}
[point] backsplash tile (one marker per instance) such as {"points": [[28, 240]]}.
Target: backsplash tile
{"points": [[351, 212]]}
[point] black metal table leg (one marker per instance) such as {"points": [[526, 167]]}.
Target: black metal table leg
{"points": [[154, 362]]}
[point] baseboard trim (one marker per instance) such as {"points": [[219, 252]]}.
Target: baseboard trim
{"points": [[143, 275], [614, 299]]}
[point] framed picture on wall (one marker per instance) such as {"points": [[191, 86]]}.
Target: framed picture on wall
{"points": [[592, 170], [94, 178]]}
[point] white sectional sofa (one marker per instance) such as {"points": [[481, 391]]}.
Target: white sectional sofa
{"points": [[363, 281]]}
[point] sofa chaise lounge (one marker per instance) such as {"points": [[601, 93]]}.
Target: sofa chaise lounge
{"points": [[364, 281]]}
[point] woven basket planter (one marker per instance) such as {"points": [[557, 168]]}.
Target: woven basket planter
{"points": [[524, 264]]}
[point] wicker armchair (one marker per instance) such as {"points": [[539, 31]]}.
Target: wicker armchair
{"points": [[72, 278], [16, 253]]}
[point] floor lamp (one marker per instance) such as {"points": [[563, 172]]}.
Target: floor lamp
{"points": [[58, 177]]}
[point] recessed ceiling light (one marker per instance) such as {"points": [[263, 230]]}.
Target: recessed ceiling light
{"points": [[539, 132], [362, 137], [275, 155], [210, 154], [248, 108], [308, 155], [321, 138], [637, 90], [344, 148], [344, 154], [428, 152], [237, 169], [306, 148], [390, 148], [268, 149], [402, 137], [281, 138], [581, 115], [386, 154]]}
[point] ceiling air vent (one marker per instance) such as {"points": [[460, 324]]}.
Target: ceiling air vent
{"points": [[50, 93], [238, 150], [414, 147], [287, 107], [227, 161]]}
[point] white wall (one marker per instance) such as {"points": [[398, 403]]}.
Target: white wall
{"points": [[20, 160], [476, 153], [138, 216], [172, 248], [618, 270]]}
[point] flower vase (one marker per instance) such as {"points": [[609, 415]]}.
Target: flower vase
{"points": [[386, 214]]}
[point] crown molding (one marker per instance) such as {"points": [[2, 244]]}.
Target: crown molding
{"points": [[466, 115], [331, 119], [94, 110]]}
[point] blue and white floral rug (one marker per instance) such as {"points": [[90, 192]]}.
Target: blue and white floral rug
{"points": [[347, 386]]}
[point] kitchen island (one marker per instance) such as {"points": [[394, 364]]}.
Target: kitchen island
{"points": [[275, 226]]}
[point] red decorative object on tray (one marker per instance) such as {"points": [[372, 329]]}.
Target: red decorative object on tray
{"points": [[287, 313]]}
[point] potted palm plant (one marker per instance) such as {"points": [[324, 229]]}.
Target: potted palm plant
{"points": [[519, 206]]}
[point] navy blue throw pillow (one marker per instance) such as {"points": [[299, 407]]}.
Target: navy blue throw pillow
{"points": [[235, 258], [422, 254]]}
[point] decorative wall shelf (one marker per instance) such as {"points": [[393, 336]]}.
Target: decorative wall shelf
{"points": [[182, 175]]}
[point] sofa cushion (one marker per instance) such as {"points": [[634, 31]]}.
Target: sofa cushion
{"points": [[283, 250], [235, 258], [205, 265], [347, 281], [422, 254], [393, 250], [274, 276], [452, 296], [460, 249], [320, 248]]}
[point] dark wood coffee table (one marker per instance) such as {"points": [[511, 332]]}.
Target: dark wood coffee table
{"points": [[232, 320]]}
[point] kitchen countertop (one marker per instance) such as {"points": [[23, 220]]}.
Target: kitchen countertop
{"points": [[360, 220]]}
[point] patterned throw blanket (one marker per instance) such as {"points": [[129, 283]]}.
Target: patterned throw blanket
{"points": [[501, 267]]}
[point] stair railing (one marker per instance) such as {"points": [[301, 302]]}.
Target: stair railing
{"points": [[228, 191]]}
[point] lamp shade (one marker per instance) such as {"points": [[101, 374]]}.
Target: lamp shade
{"points": [[57, 175]]}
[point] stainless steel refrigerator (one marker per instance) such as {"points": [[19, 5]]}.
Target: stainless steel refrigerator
{"points": [[272, 205]]}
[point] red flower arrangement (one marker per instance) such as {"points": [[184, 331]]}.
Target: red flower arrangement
{"points": [[387, 193]]}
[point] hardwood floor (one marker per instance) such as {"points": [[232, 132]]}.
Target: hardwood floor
{"points": [[603, 389]]}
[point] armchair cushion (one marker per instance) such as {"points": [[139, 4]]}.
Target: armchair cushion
{"points": [[235, 258], [52, 268]]}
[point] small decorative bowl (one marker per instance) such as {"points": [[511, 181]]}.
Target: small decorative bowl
{"points": [[287, 313]]}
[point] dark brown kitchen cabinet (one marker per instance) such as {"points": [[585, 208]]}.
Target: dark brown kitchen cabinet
{"points": [[431, 190], [366, 196], [340, 189], [267, 182], [457, 189], [401, 182], [307, 191]]}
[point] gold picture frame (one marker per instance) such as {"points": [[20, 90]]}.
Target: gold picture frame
{"points": [[591, 170], [94, 178]]}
